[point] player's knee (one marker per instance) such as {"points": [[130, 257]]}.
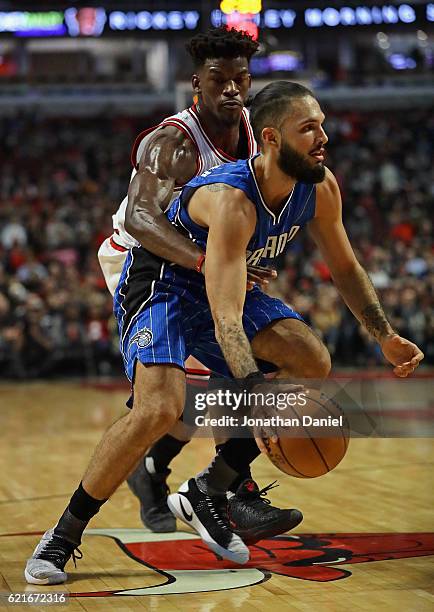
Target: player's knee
{"points": [[157, 414], [321, 364], [168, 413], [315, 358], [311, 360]]}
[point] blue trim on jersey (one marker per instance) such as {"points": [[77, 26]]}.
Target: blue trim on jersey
{"points": [[272, 232]]}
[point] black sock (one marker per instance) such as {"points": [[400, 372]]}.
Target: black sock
{"points": [[80, 510], [239, 453], [162, 454], [229, 467], [240, 478]]}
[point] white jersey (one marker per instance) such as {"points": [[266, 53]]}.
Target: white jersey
{"points": [[112, 251]]}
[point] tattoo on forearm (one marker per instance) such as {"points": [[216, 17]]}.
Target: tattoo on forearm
{"points": [[218, 187], [236, 349], [375, 321], [360, 295]]}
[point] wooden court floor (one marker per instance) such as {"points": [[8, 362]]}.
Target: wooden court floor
{"points": [[366, 542]]}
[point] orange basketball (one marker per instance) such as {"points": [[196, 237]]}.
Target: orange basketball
{"points": [[311, 447]]}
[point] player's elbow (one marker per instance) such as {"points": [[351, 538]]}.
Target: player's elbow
{"points": [[137, 224]]}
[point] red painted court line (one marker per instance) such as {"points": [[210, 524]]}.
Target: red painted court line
{"points": [[407, 414]]}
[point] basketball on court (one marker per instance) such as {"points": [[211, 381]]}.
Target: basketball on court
{"points": [[317, 444]]}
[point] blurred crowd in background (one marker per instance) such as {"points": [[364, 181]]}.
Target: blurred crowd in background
{"points": [[61, 180]]}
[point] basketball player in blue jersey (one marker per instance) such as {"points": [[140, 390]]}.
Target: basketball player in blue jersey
{"points": [[165, 158], [166, 312], [213, 131], [248, 212]]}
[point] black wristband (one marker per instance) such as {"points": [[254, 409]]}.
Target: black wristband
{"points": [[252, 379]]}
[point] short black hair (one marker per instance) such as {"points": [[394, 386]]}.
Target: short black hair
{"points": [[270, 104], [221, 42]]}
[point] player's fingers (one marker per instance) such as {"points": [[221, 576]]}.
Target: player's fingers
{"points": [[262, 272], [417, 358], [290, 388], [252, 278], [262, 430], [261, 445], [401, 371]]}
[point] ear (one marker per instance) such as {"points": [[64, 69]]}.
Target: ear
{"points": [[270, 136], [195, 83]]}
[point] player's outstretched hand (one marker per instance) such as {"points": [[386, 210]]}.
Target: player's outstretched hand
{"points": [[259, 275], [401, 353]]}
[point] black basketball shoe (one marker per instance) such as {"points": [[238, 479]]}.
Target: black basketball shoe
{"points": [[253, 518], [201, 512], [47, 564], [152, 492]]}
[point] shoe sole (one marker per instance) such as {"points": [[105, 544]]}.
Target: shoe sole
{"points": [[251, 536], [173, 501], [61, 578]]}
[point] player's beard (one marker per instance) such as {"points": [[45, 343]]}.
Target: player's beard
{"points": [[297, 166]]}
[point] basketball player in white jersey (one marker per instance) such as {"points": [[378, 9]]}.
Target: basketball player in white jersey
{"points": [[164, 158]]}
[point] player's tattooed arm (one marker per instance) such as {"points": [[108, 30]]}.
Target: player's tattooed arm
{"points": [[235, 347], [375, 321], [169, 159], [231, 219], [349, 277], [352, 281]]}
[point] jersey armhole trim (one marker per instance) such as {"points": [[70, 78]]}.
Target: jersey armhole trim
{"points": [[138, 142], [180, 125]]}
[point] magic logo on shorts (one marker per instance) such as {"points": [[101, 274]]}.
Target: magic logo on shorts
{"points": [[142, 338]]}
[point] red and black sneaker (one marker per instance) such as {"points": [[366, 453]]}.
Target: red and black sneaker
{"points": [[252, 517]]}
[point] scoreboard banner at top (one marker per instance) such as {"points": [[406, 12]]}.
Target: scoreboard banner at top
{"points": [[247, 15]]}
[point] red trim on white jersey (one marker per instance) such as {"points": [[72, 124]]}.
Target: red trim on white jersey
{"points": [[170, 121], [116, 246], [225, 157], [137, 142], [252, 146]]}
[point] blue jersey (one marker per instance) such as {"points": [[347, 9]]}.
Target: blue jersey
{"points": [[273, 230], [162, 309]]}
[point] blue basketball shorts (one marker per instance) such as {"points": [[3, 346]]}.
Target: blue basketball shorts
{"points": [[163, 315]]}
